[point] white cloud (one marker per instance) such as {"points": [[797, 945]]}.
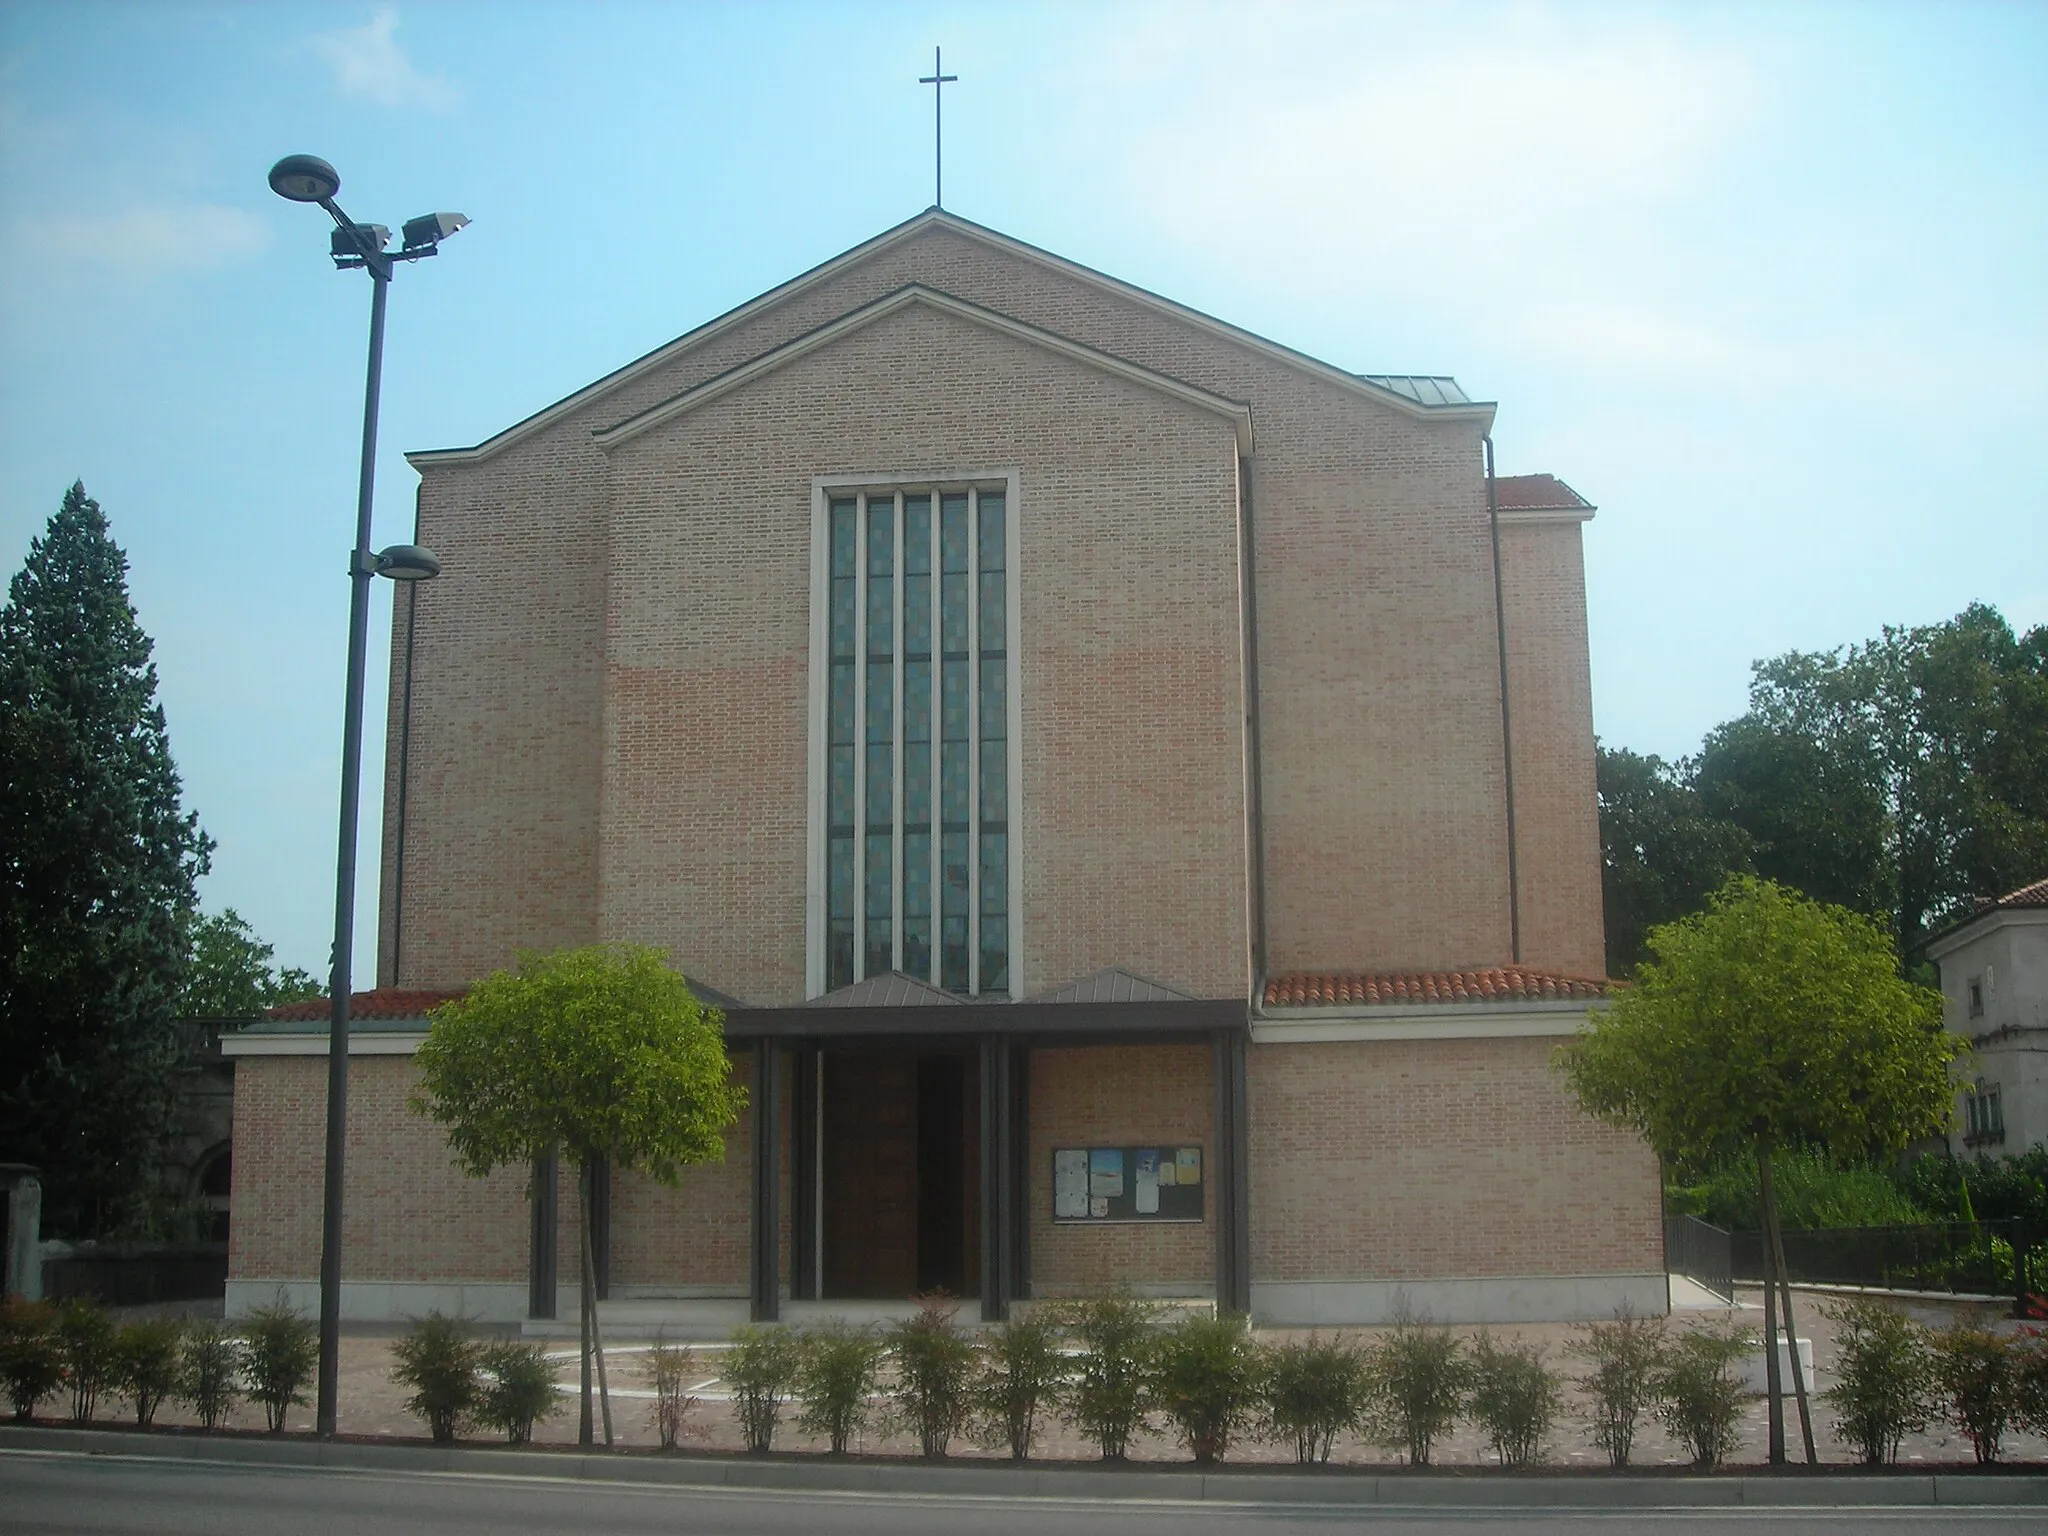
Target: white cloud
{"points": [[1425, 158], [367, 62], [139, 241], [1606, 334]]}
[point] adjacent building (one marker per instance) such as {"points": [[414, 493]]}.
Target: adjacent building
{"points": [[1994, 987]]}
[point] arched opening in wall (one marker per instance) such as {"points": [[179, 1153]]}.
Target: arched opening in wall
{"points": [[213, 1189]]}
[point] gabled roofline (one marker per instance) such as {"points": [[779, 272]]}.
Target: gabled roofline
{"points": [[1480, 411], [1514, 516], [1938, 946], [916, 294]]}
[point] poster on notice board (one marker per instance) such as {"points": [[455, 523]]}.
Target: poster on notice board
{"points": [[1133, 1183]]}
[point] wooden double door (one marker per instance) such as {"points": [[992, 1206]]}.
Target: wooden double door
{"points": [[901, 1190]]}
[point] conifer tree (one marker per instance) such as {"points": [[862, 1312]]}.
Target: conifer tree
{"points": [[97, 869]]}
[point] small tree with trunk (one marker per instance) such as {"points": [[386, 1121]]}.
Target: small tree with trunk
{"points": [[1765, 1023], [602, 1052]]}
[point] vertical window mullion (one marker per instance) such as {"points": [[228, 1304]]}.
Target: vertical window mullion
{"points": [[973, 743], [896, 734], [934, 715], [860, 735]]}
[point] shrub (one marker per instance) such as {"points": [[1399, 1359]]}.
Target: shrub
{"points": [[31, 1363], [1515, 1398], [1312, 1392], [146, 1363], [1974, 1370], [1422, 1373], [85, 1341], [1109, 1391], [1981, 1188], [839, 1369], [1206, 1376], [935, 1373], [440, 1363], [1812, 1191], [671, 1367], [761, 1368], [209, 1378], [2030, 1380], [1022, 1367], [1626, 1355], [280, 1348], [516, 1390], [1884, 1378], [1699, 1399]]}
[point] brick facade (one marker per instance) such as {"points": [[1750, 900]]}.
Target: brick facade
{"points": [[1550, 694], [1430, 1159], [601, 730], [1126, 1095], [412, 1214]]}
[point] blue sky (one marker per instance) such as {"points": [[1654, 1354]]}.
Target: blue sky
{"points": [[1766, 283]]}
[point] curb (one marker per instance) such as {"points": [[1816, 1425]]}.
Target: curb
{"points": [[1946, 1490]]}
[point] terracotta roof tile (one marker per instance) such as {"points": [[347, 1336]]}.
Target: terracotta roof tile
{"points": [[2035, 895], [1501, 984], [1536, 493], [383, 1004]]}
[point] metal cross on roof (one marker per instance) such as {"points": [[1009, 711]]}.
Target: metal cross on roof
{"points": [[938, 80]]}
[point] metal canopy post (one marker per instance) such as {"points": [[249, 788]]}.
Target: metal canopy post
{"points": [[998, 1179], [803, 1173], [1019, 1274], [1233, 1184], [540, 1279], [765, 1305]]}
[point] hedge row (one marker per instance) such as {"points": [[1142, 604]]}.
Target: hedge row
{"points": [[77, 1352], [1107, 1367], [1111, 1368]]}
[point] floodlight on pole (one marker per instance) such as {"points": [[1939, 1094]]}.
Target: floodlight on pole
{"points": [[309, 179]]}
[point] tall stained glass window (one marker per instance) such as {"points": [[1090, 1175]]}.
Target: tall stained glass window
{"points": [[917, 780]]}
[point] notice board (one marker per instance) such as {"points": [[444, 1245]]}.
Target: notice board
{"points": [[1111, 1184]]}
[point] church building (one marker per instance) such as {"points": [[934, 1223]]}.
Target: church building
{"points": [[1128, 785]]}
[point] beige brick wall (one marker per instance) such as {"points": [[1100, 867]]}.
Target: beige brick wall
{"points": [[697, 1235], [1432, 1159], [1385, 823], [1550, 691], [1132, 824], [1124, 1095], [506, 708], [410, 1211], [1414, 1160]]}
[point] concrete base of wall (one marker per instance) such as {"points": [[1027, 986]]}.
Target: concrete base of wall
{"points": [[1509, 1299], [390, 1301], [1151, 1290]]}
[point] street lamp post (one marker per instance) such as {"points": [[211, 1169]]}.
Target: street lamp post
{"points": [[306, 179]]}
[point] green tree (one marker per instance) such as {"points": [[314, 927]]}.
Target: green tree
{"points": [[230, 975], [602, 1052], [1767, 1023], [1662, 851], [1811, 812], [1903, 776], [99, 867], [1945, 726]]}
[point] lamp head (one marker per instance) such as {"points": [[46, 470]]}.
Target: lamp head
{"points": [[341, 244], [432, 228], [304, 179], [408, 562]]}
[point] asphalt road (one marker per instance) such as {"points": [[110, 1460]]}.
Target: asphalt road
{"points": [[69, 1494]]}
